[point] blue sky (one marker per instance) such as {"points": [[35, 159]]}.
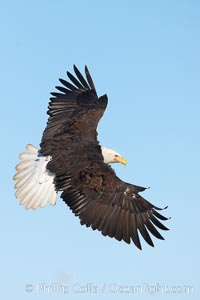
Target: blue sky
{"points": [[145, 56]]}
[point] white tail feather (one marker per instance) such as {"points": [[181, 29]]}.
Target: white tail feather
{"points": [[34, 186]]}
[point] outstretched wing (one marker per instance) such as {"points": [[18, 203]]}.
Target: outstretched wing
{"points": [[104, 202], [74, 113]]}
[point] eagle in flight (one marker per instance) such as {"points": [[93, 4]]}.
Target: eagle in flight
{"points": [[71, 160]]}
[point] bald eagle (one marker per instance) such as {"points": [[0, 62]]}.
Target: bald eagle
{"points": [[71, 160]]}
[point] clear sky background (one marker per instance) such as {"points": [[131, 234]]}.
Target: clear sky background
{"points": [[146, 56]]}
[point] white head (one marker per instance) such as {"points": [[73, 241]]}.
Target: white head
{"points": [[111, 156]]}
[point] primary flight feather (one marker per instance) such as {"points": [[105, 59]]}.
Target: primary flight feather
{"points": [[71, 160]]}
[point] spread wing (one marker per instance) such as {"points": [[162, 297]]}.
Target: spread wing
{"points": [[89, 186], [104, 202], [74, 113]]}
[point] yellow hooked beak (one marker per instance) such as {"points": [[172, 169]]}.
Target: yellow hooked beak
{"points": [[121, 160]]}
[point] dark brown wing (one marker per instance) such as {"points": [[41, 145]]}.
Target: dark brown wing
{"points": [[74, 113], [104, 202]]}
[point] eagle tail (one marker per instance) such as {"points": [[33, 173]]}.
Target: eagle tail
{"points": [[35, 183]]}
